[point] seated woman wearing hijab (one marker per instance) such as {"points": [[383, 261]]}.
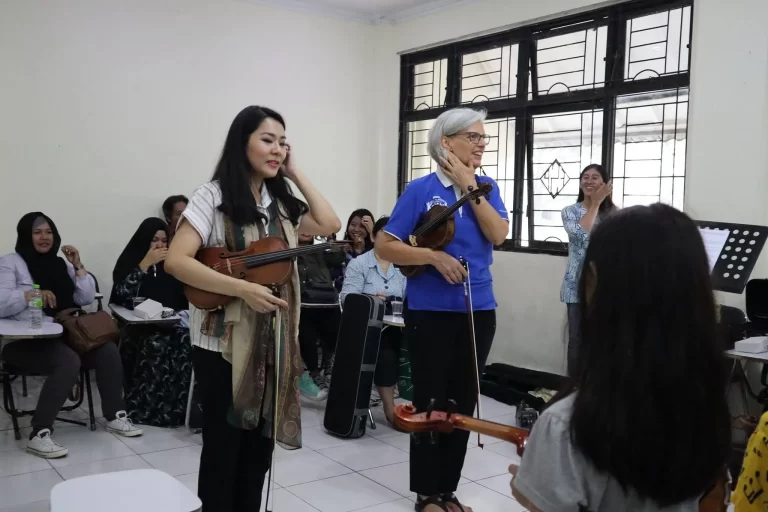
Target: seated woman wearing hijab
{"points": [[63, 285], [157, 357]]}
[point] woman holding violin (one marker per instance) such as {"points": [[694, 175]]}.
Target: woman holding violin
{"points": [[236, 354], [437, 316]]}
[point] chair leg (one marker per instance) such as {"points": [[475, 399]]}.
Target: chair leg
{"points": [[10, 406], [189, 399], [370, 417], [24, 391], [91, 415]]}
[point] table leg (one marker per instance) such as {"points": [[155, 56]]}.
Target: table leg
{"points": [[24, 391]]}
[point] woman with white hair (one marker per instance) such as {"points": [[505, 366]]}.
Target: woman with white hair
{"points": [[436, 321]]}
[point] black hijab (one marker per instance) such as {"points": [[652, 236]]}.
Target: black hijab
{"points": [[157, 284], [47, 270]]}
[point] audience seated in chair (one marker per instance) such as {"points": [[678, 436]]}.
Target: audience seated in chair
{"points": [[158, 358], [64, 284], [371, 275], [318, 323]]}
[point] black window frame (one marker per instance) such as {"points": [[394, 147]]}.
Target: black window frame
{"points": [[523, 109]]}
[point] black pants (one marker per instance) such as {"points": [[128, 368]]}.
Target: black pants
{"points": [[234, 462], [389, 357], [441, 369], [61, 366], [318, 324]]}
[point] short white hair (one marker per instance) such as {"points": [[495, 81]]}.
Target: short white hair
{"points": [[448, 123]]}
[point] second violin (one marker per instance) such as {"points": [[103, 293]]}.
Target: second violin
{"points": [[435, 229]]}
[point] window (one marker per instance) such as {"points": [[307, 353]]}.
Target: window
{"points": [[607, 86]]}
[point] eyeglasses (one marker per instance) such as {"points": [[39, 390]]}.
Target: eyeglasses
{"points": [[474, 137]]}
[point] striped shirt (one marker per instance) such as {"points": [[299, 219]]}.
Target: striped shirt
{"points": [[364, 275], [202, 214]]}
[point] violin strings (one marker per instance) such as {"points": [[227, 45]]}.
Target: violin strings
{"points": [[439, 219], [277, 255]]}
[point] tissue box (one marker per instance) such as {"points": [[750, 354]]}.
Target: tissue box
{"points": [[753, 345], [149, 309]]}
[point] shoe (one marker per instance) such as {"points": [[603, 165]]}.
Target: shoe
{"points": [[310, 390], [44, 446], [320, 381], [328, 369], [123, 426]]}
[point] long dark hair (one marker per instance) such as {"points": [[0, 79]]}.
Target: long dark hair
{"points": [[233, 172], [607, 205], [360, 212], [650, 372]]}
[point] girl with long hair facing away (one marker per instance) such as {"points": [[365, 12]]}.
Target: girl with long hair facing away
{"points": [[248, 199], [645, 425]]}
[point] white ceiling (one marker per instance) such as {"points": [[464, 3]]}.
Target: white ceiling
{"points": [[369, 11]]}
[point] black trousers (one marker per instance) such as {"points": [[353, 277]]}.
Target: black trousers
{"points": [[61, 366], [234, 462], [318, 324], [441, 369]]}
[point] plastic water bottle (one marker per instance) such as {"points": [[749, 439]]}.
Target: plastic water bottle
{"points": [[36, 308]]}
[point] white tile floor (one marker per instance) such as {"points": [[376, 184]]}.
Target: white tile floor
{"points": [[327, 475]]}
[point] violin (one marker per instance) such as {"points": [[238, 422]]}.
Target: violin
{"points": [[407, 419], [436, 228], [268, 262]]}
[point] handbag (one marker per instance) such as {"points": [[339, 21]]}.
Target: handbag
{"points": [[87, 331]]}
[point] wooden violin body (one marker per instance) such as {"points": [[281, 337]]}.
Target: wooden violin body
{"points": [[268, 262], [407, 419], [436, 228]]}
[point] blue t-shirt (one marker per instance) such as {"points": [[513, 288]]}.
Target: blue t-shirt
{"points": [[430, 291]]}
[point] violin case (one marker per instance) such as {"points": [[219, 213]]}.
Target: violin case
{"points": [[357, 349]]}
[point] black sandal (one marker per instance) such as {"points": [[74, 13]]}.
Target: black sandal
{"points": [[451, 498], [421, 504]]}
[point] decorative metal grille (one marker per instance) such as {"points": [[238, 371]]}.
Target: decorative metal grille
{"points": [[560, 95]]}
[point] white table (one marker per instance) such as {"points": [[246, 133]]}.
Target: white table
{"points": [[19, 329], [738, 357], [144, 490], [127, 316], [394, 321]]}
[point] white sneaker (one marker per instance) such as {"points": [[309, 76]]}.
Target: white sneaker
{"points": [[123, 426], [44, 446]]}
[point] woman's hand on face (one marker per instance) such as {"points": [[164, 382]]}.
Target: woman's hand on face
{"points": [[260, 298], [368, 223], [602, 192], [72, 255], [289, 168], [154, 256], [457, 172]]}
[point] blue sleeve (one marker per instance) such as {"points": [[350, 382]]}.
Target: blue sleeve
{"points": [[494, 198], [354, 279], [406, 214], [571, 218]]}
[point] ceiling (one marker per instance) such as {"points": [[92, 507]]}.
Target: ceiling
{"points": [[369, 11]]}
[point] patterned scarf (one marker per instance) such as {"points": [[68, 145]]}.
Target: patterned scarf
{"points": [[247, 339]]}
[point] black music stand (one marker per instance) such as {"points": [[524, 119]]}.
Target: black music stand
{"points": [[739, 255]]}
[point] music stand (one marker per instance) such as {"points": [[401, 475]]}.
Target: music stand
{"points": [[739, 255]]}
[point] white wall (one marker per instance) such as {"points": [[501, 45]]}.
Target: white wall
{"points": [[107, 107], [727, 155]]}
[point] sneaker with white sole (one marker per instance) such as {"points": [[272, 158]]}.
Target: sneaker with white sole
{"points": [[44, 446], [309, 389], [123, 426]]}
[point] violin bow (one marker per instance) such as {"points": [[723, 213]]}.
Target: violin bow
{"points": [[473, 342], [277, 326]]}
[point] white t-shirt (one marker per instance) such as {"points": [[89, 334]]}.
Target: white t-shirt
{"points": [[202, 214]]}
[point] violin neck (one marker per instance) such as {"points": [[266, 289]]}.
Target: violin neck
{"points": [[513, 435], [259, 260]]}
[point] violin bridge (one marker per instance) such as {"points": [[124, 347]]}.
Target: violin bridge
{"points": [[412, 239], [229, 266]]}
